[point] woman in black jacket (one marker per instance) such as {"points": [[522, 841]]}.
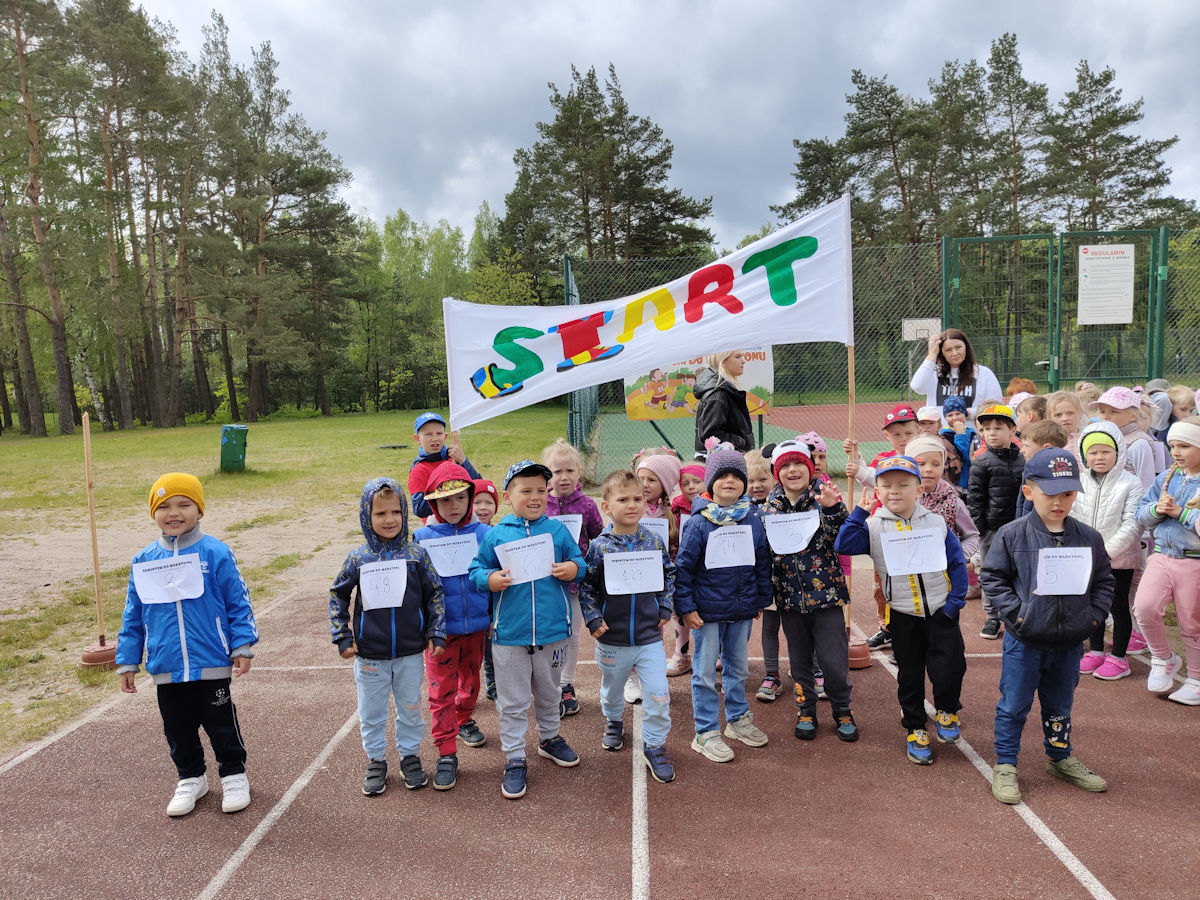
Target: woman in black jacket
{"points": [[721, 410]]}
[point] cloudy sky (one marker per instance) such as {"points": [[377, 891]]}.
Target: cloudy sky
{"points": [[426, 102]]}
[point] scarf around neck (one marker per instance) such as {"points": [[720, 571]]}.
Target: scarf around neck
{"points": [[726, 515]]}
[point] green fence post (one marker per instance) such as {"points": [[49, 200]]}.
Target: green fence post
{"points": [[1160, 311], [1056, 329], [945, 282]]}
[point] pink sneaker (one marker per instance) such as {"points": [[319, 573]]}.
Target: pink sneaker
{"points": [[1114, 667], [1091, 661], [1137, 643]]}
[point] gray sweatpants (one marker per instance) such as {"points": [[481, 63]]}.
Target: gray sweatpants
{"points": [[985, 544], [525, 674]]}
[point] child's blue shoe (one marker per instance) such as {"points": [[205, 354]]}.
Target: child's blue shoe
{"points": [[660, 767], [806, 727], [614, 735], [919, 750], [558, 752], [946, 724], [514, 779], [847, 728]]}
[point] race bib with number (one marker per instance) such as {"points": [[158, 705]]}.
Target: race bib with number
{"points": [[1064, 570], [633, 573], [659, 527], [792, 532], [169, 580], [451, 555], [913, 552], [574, 523], [381, 585], [729, 545], [527, 559]]}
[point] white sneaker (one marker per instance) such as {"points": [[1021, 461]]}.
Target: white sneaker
{"points": [[710, 745], [633, 689], [187, 792], [1189, 694], [235, 793], [1162, 673], [746, 731]]}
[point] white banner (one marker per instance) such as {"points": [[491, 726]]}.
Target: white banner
{"points": [[792, 286]]}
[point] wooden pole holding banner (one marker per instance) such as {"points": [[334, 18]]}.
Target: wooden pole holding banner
{"points": [[102, 654], [850, 478]]}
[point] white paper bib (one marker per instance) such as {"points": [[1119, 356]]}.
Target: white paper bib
{"points": [[169, 580]]}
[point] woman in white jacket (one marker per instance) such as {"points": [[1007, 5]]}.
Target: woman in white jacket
{"points": [[1108, 503]]}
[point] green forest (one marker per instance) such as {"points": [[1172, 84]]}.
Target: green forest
{"points": [[176, 247]]}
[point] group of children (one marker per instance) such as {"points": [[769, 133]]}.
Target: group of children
{"points": [[709, 547]]}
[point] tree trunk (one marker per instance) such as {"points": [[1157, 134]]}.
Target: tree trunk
{"points": [[97, 395], [114, 277], [154, 349], [31, 397], [5, 406], [199, 368], [230, 384], [22, 405]]}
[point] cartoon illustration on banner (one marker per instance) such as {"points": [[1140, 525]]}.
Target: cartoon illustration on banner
{"points": [[665, 392]]}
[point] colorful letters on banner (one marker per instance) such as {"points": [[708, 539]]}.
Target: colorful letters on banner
{"points": [[790, 287]]}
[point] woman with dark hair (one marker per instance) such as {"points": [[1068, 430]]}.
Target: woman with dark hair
{"points": [[950, 370], [721, 410]]}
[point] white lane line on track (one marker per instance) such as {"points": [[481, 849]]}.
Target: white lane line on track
{"points": [[252, 840], [348, 666], [640, 830], [1041, 830]]}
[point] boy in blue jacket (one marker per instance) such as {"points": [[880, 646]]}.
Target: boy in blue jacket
{"points": [[188, 607], [454, 676], [526, 562], [722, 583], [627, 624], [398, 612], [1053, 584]]}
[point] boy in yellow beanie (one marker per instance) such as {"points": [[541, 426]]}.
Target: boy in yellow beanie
{"points": [[188, 606]]}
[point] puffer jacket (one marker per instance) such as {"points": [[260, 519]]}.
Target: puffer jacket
{"points": [[467, 609], [532, 613], [813, 578], [1109, 503], [993, 486], [632, 619], [921, 594], [721, 412], [731, 594], [1045, 621], [1172, 537], [392, 631], [189, 639]]}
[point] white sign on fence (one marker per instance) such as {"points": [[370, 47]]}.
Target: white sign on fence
{"points": [[1106, 284]]}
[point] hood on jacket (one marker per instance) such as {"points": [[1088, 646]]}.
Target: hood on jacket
{"points": [[708, 380], [370, 489], [1113, 432], [450, 471]]}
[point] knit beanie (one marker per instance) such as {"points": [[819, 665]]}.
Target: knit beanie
{"points": [[664, 467], [176, 484], [925, 444], [813, 440], [954, 404], [1092, 438], [725, 462], [787, 452], [695, 469]]}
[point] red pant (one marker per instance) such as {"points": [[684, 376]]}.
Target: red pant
{"points": [[453, 687]]}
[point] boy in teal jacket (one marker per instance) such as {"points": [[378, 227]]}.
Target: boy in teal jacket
{"points": [[526, 562]]}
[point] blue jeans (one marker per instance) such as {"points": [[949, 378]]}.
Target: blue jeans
{"points": [[728, 639], [377, 679], [1053, 674], [650, 663]]}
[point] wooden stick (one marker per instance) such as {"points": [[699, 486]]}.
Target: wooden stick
{"points": [[91, 498], [849, 478]]}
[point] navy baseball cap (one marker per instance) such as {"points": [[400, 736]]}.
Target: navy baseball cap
{"points": [[526, 467], [1054, 470], [424, 419], [905, 464]]}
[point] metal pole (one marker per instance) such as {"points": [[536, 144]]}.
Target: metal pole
{"points": [[1056, 332], [1160, 312], [945, 282]]}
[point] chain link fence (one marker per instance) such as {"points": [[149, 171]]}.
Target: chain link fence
{"points": [[1007, 294], [810, 380]]}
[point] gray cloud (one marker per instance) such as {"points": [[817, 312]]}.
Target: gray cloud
{"points": [[427, 103]]}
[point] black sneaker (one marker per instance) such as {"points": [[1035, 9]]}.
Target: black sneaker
{"points": [[847, 728], [880, 639], [990, 629], [614, 735], [414, 775], [469, 734], [558, 752], [446, 775], [806, 727], [568, 706], [490, 690], [376, 781], [513, 786]]}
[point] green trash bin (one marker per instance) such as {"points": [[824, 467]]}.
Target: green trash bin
{"points": [[233, 448]]}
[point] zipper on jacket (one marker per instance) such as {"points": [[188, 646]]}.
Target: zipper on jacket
{"points": [[179, 616], [532, 597], [221, 635]]}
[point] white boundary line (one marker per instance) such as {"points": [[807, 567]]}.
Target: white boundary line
{"points": [[640, 830], [240, 855], [1041, 830]]}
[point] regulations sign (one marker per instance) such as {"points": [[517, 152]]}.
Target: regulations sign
{"points": [[1106, 284]]}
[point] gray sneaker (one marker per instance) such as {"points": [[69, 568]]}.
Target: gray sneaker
{"points": [[746, 731], [1004, 784], [1072, 770], [710, 745], [376, 781]]}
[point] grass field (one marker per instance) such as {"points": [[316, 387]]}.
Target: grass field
{"points": [[294, 467]]}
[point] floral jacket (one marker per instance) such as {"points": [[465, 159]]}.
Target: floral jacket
{"points": [[813, 578]]}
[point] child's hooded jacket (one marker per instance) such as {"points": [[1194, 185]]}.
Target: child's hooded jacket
{"points": [[633, 618], [388, 632], [533, 613], [189, 639], [422, 470], [467, 608], [1109, 502], [731, 594]]}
